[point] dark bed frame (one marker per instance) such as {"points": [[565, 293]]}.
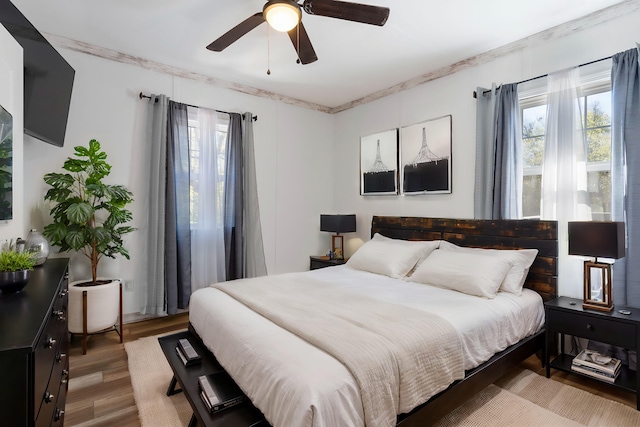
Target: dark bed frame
{"points": [[497, 234]]}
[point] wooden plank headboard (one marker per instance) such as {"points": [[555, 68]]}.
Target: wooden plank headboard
{"points": [[495, 234]]}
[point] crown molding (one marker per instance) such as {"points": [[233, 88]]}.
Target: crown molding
{"points": [[112, 55]]}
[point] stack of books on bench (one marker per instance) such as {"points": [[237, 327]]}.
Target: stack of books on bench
{"points": [[187, 353], [218, 391], [593, 364]]}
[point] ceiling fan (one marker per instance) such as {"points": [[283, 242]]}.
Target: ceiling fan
{"points": [[286, 16]]}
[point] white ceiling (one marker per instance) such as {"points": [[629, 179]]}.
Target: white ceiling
{"points": [[354, 59]]}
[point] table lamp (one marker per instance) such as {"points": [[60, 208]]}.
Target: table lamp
{"points": [[338, 224], [604, 239]]}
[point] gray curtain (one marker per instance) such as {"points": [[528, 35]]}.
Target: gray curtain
{"points": [[625, 187], [244, 250], [485, 152], [498, 187], [177, 217], [254, 265], [157, 148], [234, 200], [625, 151]]}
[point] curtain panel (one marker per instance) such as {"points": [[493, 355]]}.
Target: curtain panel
{"points": [[177, 211], [233, 199], [243, 231], [168, 239], [207, 233], [255, 264], [625, 171], [564, 173], [498, 184], [156, 147]]}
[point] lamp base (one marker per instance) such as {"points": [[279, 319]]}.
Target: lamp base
{"points": [[606, 309], [337, 242], [597, 286]]}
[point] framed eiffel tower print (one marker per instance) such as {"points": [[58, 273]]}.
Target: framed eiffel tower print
{"points": [[379, 164], [425, 152]]}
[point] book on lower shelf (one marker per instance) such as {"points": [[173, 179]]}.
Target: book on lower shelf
{"points": [[592, 363], [595, 374], [593, 359], [218, 391]]}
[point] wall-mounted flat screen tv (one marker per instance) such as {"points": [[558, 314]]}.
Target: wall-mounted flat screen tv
{"points": [[48, 79]]}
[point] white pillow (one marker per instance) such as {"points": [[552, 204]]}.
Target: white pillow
{"points": [[466, 272], [390, 257], [520, 259]]}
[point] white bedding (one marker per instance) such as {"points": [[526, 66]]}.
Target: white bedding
{"points": [[295, 384]]}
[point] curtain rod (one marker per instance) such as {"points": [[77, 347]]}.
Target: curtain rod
{"points": [[475, 95], [142, 96]]}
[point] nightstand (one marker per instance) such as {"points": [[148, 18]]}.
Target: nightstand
{"points": [[566, 316], [316, 262]]}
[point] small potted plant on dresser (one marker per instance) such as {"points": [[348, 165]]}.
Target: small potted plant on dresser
{"points": [[15, 269], [90, 217]]}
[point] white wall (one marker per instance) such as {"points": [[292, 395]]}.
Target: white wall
{"points": [[293, 160], [307, 162], [453, 95], [11, 81]]}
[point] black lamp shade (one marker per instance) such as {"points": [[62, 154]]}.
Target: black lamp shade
{"points": [[597, 239], [338, 223]]}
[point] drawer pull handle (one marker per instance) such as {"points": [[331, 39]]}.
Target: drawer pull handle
{"points": [[589, 326], [65, 376], [48, 397], [60, 357], [59, 414], [59, 314], [51, 342], [62, 293]]}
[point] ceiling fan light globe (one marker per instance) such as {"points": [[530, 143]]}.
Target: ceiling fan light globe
{"points": [[282, 15]]}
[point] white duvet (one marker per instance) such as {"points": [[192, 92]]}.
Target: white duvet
{"points": [[295, 384]]}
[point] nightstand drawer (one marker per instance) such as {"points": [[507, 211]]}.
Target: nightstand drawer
{"points": [[598, 329]]}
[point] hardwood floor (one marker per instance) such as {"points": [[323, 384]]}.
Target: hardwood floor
{"points": [[100, 392]]}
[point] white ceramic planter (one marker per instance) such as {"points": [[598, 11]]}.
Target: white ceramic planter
{"points": [[103, 304]]}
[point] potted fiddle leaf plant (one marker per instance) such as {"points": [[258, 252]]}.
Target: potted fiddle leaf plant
{"points": [[89, 217]]}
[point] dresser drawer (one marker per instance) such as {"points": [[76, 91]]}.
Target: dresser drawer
{"points": [[48, 350], [598, 329]]}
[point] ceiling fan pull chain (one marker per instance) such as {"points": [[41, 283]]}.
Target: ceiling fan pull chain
{"points": [[268, 50]]}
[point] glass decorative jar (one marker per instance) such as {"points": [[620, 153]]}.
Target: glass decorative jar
{"points": [[37, 244]]}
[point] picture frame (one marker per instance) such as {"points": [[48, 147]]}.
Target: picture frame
{"points": [[379, 164], [425, 151], [6, 165]]}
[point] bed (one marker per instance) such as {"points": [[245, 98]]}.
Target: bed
{"points": [[296, 378]]}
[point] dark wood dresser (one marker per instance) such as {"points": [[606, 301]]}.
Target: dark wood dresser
{"points": [[33, 349]]}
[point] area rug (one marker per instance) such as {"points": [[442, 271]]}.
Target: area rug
{"points": [[150, 376], [523, 399]]}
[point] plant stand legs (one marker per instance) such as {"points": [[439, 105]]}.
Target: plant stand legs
{"points": [[120, 314], [84, 322], [85, 334]]}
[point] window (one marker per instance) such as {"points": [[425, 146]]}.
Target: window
{"points": [[596, 102]]}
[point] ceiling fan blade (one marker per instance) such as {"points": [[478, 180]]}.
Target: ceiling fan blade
{"points": [[364, 13], [236, 32], [306, 53]]}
